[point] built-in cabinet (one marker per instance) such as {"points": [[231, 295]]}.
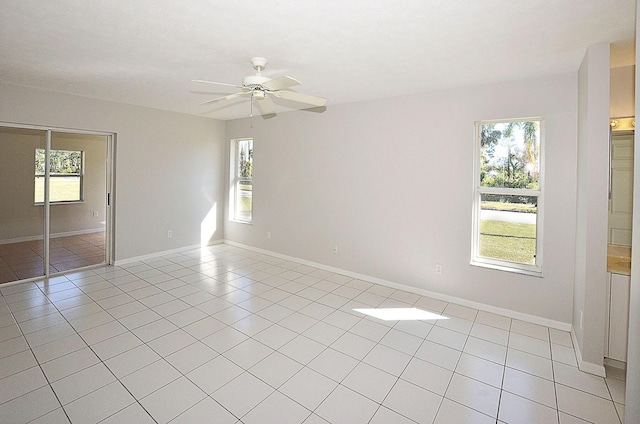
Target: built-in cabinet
{"points": [[618, 319]]}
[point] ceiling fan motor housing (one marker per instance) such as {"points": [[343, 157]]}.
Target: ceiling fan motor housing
{"points": [[254, 81]]}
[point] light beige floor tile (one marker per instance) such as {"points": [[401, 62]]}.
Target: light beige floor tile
{"points": [[99, 404], [517, 410], [308, 388], [277, 408], [370, 382], [344, 406], [427, 375], [242, 394], [480, 369], [586, 406], [474, 394], [413, 402], [172, 400], [207, 410], [530, 387], [452, 412]]}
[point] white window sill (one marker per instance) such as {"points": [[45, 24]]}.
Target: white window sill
{"points": [[509, 268], [70, 202]]}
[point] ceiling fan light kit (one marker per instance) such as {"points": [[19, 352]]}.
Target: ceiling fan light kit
{"points": [[263, 88]]}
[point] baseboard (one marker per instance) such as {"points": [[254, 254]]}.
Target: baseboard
{"points": [[614, 363], [588, 367], [121, 262], [55, 235], [558, 325]]}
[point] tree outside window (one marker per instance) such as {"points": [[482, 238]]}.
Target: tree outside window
{"points": [[507, 230], [242, 180], [66, 173]]}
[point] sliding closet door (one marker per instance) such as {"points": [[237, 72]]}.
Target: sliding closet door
{"points": [[77, 199], [54, 215], [22, 249]]}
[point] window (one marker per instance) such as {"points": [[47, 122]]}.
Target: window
{"points": [[507, 227], [241, 186], [66, 169]]}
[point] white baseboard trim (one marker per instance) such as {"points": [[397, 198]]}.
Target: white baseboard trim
{"points": [[614, 363], [55, 235], [121, 262], [558, 325], [588, 367]]}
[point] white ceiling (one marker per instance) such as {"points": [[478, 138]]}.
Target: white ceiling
{"points": [[145, 52]]}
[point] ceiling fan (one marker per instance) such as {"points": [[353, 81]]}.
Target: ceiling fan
{"points": [[262, 89]]}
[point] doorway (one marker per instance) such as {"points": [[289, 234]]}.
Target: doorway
{"points": [[55, 213]]}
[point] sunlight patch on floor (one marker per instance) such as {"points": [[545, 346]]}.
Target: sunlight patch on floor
{"points": [[400, 314]]}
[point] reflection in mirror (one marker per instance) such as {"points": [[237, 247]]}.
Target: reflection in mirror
{"points": [[77, 194], [621, 181], [78, 200]]}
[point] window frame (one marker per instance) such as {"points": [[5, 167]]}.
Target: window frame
{"points": [[235, 180], [53, 176], [478, 191]]}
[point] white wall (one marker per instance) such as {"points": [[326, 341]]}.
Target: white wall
{"points": [[589, 308], [168, 165], [390, 183], [622, 92]]}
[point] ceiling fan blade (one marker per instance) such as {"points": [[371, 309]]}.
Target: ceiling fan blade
{"points": [[266, 106], [217, 83], [229, 97], [281, 83], [301, 98]]}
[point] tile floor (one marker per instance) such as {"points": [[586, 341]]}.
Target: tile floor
{"points": [[23, 260], [225, 335]]}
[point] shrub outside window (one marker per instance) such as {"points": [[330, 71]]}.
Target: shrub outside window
{"points": [[66, 172], [241, 187], [507, 224]]}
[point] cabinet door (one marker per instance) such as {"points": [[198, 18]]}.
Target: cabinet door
{"points": [[619, 317]]}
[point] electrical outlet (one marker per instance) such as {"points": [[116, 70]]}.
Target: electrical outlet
{"points": [[95, 214], [335, 250], [169, 234], [438, 269], [268, 234]]}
